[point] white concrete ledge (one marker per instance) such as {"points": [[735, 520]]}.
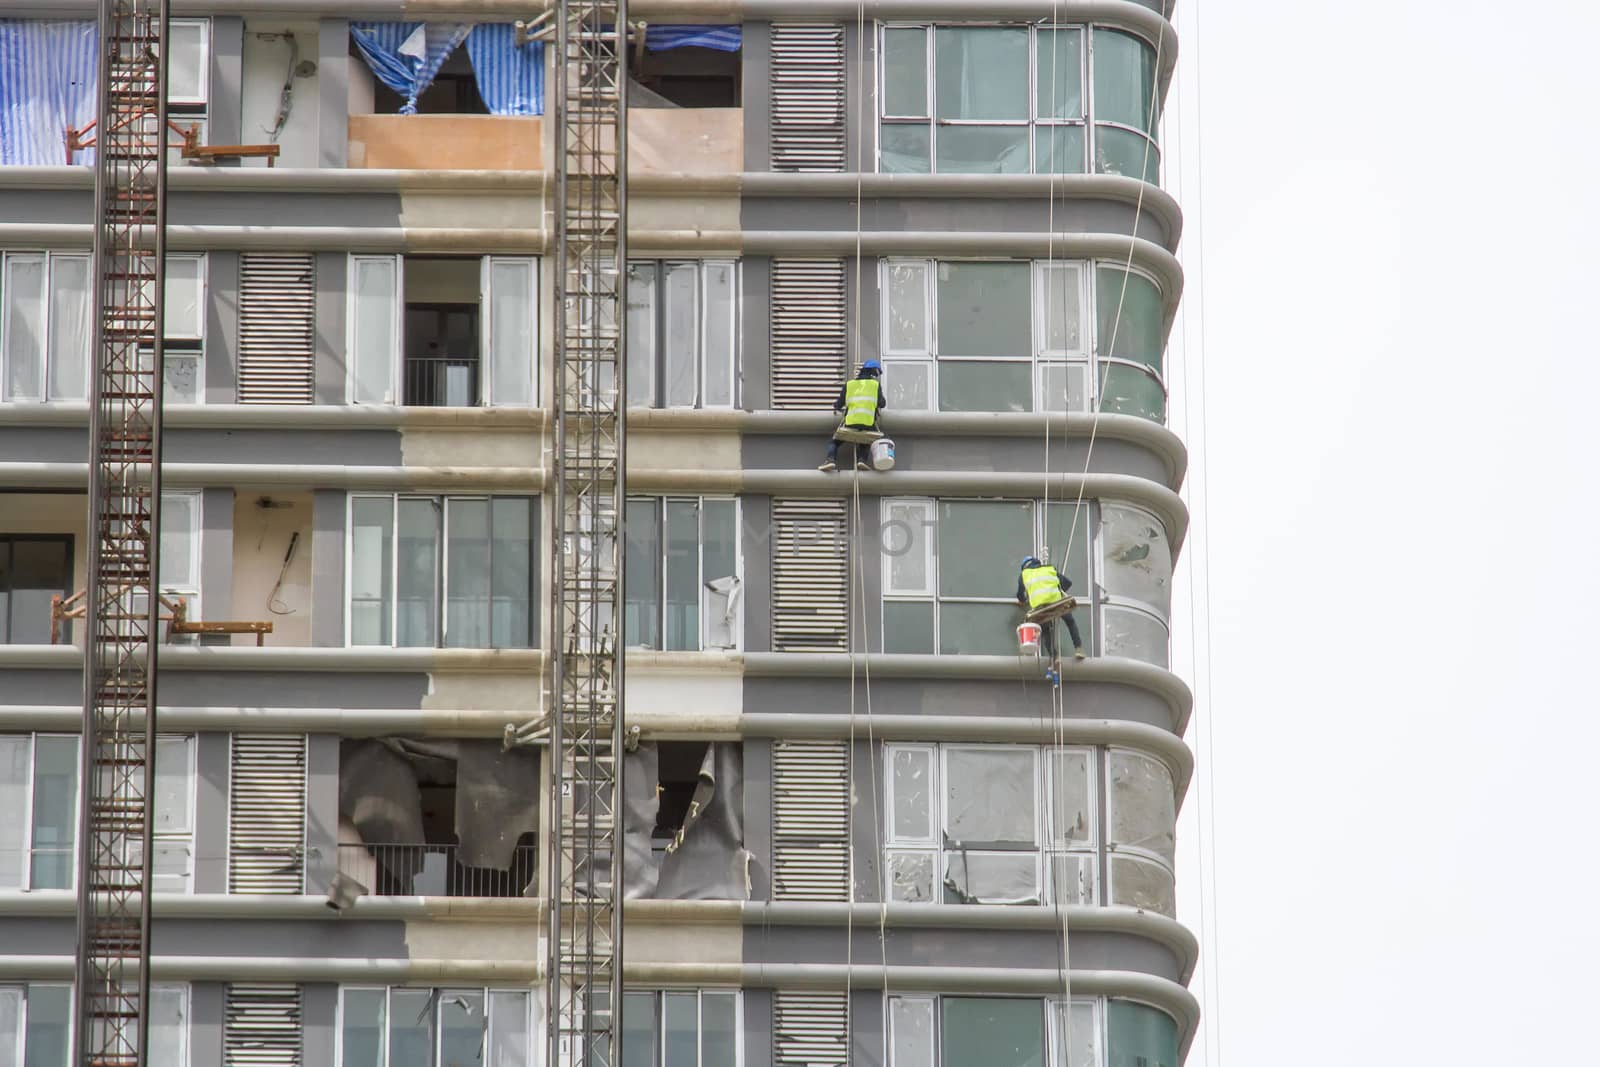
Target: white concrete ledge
{"points": [[290, 476], [250, 658]]}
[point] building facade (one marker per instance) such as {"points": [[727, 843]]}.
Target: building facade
{"points": [[859, 827]]}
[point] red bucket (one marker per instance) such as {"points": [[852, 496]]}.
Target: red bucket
{"points": [[1028, 637]]}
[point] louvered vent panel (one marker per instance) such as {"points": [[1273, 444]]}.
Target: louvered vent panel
{"points": [[808, 333], [262, 1026], [810, 820], [267, 814], [808, 97], [810, 582], [277, 328], [810, 1030]]}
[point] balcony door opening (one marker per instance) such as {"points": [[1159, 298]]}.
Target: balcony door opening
{"points": [[33, 568], [687, 77], [443, 308]]}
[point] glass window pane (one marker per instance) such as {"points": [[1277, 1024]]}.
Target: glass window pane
{"points": [[186, 74], [1077, 1021], [911, 876], [721, 307], [1143, 884], [185, 298], [411, 1027], [361, 1033], [49, 1012], [55, 805], [1141, 811], [1132, 391], [908, 386], [1066, 531], [991, 797], [903, 148], [906, 540], [417, 572], [39, 569], [510, 577], [992, 878], [10, 1024], [1071, 816], [509, 1044], [180, 523], [1063, 387], [911, 1032], [467, 576], [682, 339], [993, 1031], [1132, 155], [992, 538], [23, 291], [719, 1029], [180, 377], [982, 72], [642, 288], [721, 538], [371, 569], [1138, 557], [643, 574], [1124, 80], [906, 313], [461, 1026], [680, 1014], [1060, 79], [16, 754], [985, 309], [905, 71], [683, 575], [969, 629], [1061, 322], [70, 327], [1072, 878], [375, 295], [911, 792], [985, 386], [1059, 149], [1129, 316], [1132, 634], [983, 150], [722, 599], [513, 312], [639, 1030], [908, 626], [174, 786], [169, 1025], [1140, 1036]]}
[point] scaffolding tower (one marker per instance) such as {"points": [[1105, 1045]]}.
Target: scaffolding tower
{"points": [[585, 929], [119, 693]]}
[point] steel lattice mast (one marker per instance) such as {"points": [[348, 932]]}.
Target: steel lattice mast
{"points": [[585, 915], [119, 704]]}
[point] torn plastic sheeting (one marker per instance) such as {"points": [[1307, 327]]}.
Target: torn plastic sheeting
{"points": [[911, 877], [1138, 557], [641, 800], [497, 801], [993, 878], [1132, 634], [1143, 813], [991, 797], [722, 599], [707, 860], [1139, 883]]}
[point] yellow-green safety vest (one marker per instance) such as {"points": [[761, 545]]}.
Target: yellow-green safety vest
{"points": [[1043, 586], [861, 402]]}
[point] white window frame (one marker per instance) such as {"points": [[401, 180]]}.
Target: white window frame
{"points": [[658, 398], [396, 358], [26, 849], [487, 393], [533, 1020], [186, 1018], [22, 991], [1034, 122], [195, 533], [189, 345], [185, 836], [48, 259], [700, 502], [658, 1054], [1045, 833]]}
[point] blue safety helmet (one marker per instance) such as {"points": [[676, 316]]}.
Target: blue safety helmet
{"points": [[872, 365], [1030, 561]]}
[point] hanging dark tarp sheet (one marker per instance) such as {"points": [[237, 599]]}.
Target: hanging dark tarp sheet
{"points": [[707, 860]]}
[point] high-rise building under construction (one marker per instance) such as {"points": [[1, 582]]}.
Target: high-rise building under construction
{"points": [[855, 823]]}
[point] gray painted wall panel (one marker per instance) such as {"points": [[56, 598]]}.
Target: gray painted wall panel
{"points": [[866, 1028], [757, 1027], [1023, 698], [328, 513], [930, 453], [216, 560], [195, 208], [319, 1013], [758, 818], [322, 811], [332, 281], [333, 82], [212, 752], [866, 822], [755, 348], [309, 689], [317, 447], [222, 328], [206, 1015], [757, 520], [26, 686], [226, 104], [268, 939], [757, 95], [1032, 215]]}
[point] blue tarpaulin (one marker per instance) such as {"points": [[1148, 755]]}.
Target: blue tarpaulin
{"points": [[665, 38], [47, 83]]}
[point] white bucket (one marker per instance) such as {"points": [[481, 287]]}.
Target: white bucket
{"points": [[883, 454], [1028, 637]]}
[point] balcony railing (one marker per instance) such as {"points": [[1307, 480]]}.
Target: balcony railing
{"points": [[435, 871], [441, 382]]}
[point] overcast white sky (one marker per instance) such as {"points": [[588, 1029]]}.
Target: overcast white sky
{"points": [[1400, 217]]}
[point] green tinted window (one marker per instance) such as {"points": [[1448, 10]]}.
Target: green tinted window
{"points": [[982, 73], [986, 542], [1124, 80], [1129, 315], [1140, 1036], [994, 1032]]}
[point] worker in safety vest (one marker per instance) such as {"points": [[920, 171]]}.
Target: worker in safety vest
{"points": [[861, 398], [1040, 584]]}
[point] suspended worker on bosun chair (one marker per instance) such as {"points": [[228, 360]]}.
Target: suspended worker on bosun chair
{"points": [[861, 398], [1042, 590]]}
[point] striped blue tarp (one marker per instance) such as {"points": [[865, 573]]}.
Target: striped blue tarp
{"points": [[665, 38], [47, 83], [403, 59], [510, 79]]}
